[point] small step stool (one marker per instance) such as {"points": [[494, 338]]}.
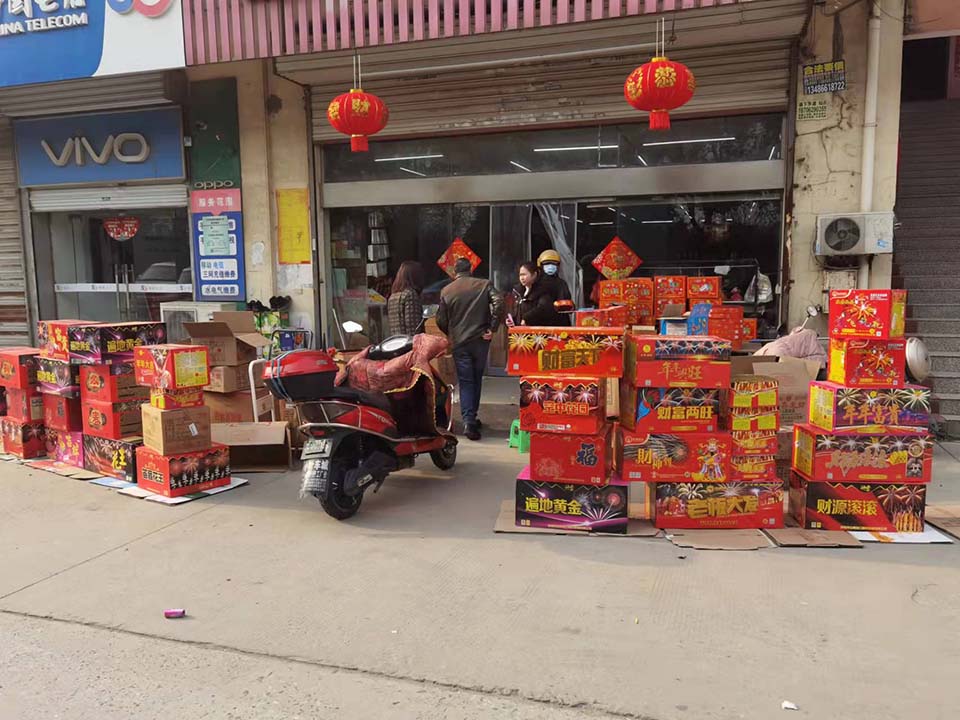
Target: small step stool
{"points": [[519, 439]]}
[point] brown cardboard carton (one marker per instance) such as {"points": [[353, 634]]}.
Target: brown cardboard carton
{"points": [[226, 379], [231, 337], [236, 407], [255, 447], [170, 432], [794, 377]]}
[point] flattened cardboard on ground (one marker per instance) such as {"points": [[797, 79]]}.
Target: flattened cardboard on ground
{"points": [[61, 468], [798, 537], [945, 517], [138, 492], [507, 523], [255, 447], [719, 539], [929, 536]]}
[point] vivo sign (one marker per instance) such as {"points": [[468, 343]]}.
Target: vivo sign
{"points": [[103, 148]]}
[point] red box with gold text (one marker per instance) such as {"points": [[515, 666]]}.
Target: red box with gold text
{"points": [[867, 314], [171, 367], [23, 440], [18, 368], [62, 413], [184, 473], [596, 352], [577, 459], [666, 410], [676, 457], [868, 363], [563, 404], [890, 455], [719, 507], [614, 316], [869, 507], [706, 288], [682, 361]]}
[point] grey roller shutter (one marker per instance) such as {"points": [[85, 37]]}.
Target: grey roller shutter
{"points": [[14, 316], [108, 198], [93, 94]]}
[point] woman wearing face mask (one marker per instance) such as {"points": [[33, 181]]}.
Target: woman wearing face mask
{"points": [[534, 304], [553, 285]]}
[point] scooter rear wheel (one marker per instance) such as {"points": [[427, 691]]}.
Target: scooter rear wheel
{"points": [[446, 457], [335, 502]]}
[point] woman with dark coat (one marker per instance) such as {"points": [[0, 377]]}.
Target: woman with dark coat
{"points": [[404, 307], [534, 301]]}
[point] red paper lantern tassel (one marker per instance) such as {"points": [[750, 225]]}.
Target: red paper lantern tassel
{"points": [[659, 120], [359, 143]]}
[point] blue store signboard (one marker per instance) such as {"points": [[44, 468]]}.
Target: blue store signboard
{"points": [[216, 222], [145, 145]]}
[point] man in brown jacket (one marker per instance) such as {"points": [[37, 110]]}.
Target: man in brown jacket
{"points": [[470, 311]]}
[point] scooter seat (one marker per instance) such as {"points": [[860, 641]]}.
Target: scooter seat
{"points": [[353, 395]]}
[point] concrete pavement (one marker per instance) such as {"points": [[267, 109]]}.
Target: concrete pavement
{"points": [[416, 609]]}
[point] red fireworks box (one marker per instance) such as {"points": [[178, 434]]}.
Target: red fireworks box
{"points": [[99, 343], [868, 363], [563, 404], [835, 407], [53, 338], [18, 368], [171, 367], [763, 442], [705, 288], [565, 506], [748, 329], [632, 292], [177, 399], [110, 383], [184, 473], [112, 420], [867, 314], [715, 506], [114, 458], [670, 286], [873, 507], [676, 361], [58, 377], [754, 392], [614, 316], [65, 447], [891, 455], [24, 406], [24, 440], [668, 410], [596, 352], [746, 468], [62, 413], [578, 459], [680, 457], [3, 401]]}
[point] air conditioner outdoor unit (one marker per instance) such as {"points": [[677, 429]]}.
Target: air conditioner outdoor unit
{"points": [[855, 234], [175, 314]]}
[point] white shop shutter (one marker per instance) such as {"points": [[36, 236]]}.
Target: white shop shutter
{"points": [[126, 197], [92, 94], [14, 317]]}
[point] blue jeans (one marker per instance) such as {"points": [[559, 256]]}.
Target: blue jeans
{"points": [[471, 360]]}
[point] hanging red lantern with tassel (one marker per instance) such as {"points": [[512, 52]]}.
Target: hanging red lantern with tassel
{"points": [[658, 87], [358, 114]]}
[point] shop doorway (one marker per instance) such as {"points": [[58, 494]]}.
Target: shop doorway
{"points": [[88, 270]]}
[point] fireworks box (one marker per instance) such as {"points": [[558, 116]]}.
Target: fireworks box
{"points": [[183, 473], [110, 383], [748, 329], [868, 363], [872, 507], [668, 307], [714, 506], [614, 316], [24, 440], [716, 321], [18, 368], [668, 410], [232, 338], [565, 506], [632, 292], [670, 286], [176, 399], [835, 407], [892, 455], [577, 459], [683, 361], [169, 432], [58, 377], [747, 420], [112, 420], [112, 342], [171, 367], [762, 442], [563, 404], [3, 401], [24, 406], [867, 314], [224, 379], [680, 457], [114, 458], [62, 413], [704, 288], [754, 392], [65, 447], [747, 468], [594, 352], [710, 302], [53, 338]]}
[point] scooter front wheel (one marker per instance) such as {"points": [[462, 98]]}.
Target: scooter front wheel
{"points": [[335, 502], [446, 457]]}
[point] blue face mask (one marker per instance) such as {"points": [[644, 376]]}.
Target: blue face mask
{"points": [[550, 268]]}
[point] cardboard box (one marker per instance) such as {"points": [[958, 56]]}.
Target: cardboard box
{"points": [[255, 446], [664, 362], [892, 455], [171, 432], [595, 352], [24, 406], [746, 420], [680, 457], [53, 339], [835, 407], [62, 413], [614, 316], [112, 420], [113, 458], [101, 343], [58, 377], [793, 379], [566, 506], [24, 440], [65, 447], [705, 288], [669, 410], [171, 367], [563, 404], [224, 379], [763, 442], [176, 399], [871, 507], [110, 383], [236, 407], [868, 363], [750, 468], [867, 314], [715, 506], [232, 338], [754, 392], [183, 473], [670, 286], [577, 459], [18, 368]]}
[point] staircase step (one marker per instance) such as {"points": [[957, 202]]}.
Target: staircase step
{"points": [[933, 296], [925, 267], [932, 310], [919, 255], [940, 342], [946, 404], [926, 282], [922, 326], [942, 362], [944, 386]]}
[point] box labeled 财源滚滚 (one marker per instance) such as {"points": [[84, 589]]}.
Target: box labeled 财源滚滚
{"points": [[562, 404], [578, 459], [867, 314], [676, 457], [716, 506], [183, 473], [870, 507], [892, 455], [665, 410], [171, 367]]}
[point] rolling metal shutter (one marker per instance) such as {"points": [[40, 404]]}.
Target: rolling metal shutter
{"points": [[127, 197], [14, 315]]}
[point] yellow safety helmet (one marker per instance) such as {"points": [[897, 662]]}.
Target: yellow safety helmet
{"points": [[548, 256]]}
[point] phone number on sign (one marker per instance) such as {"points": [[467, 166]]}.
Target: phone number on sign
{"points": [[826, 87]]}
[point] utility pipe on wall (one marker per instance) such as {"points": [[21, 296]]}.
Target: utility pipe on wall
{"points": [[868, 157]]}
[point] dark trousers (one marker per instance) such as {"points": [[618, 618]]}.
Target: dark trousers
{"points": [[471, 360]]}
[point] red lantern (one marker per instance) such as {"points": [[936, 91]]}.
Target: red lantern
{"points": [[659, 86], [358, 114]]}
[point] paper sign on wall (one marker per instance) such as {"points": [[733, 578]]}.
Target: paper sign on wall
{"points": [[216, 220], [293, 227]]}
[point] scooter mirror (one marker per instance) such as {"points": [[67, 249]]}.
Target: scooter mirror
{"points": [[352, 326]]}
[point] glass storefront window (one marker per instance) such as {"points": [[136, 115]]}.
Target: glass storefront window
{"points": [[709, 140]]}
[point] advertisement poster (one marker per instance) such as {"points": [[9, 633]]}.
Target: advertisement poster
{"points": [[293, 227], [216, 222]]}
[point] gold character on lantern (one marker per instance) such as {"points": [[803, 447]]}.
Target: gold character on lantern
{"points": [[333, 112], [665, 76]]}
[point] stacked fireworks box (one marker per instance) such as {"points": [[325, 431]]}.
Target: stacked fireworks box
{"points": [[22, 433], [571, 483], [668, 290], [752, 415], [671, 437], [178, 456], [864, 458], [634, 294]]}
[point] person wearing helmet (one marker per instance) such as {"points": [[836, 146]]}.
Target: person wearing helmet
{"points": [[554, 286]]}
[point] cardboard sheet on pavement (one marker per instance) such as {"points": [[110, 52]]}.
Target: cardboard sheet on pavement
{"points": [[719, 539], [798, 537], [138, 492], [507, 523], [929, 536], [945, 517]]}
